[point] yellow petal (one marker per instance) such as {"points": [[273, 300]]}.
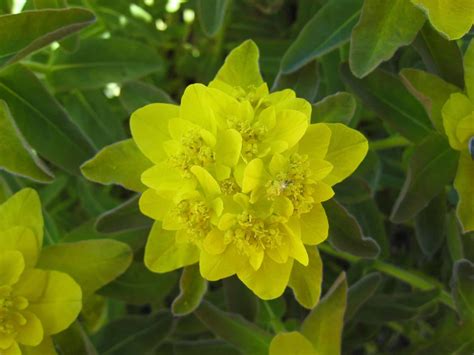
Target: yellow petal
{"points": [[241, 67], [23, 209], [463, 183], [55, 298], [45, 348], [14, 349], [166, 180], [214, 242], [290, 126], [31, 333], [217, 267], [314, 226], [207, 182], [320, 168], [23, 240], [196, 107], [465, 129], [297, 249], [269, 281], [453, 18], [163, 254], [153, 205], [254, 175], [454, 110], [149, 126], [293, 343], [228, 147], [346, 151], [315, 141], [12, 265], [322, 192], [256, 258], [6, 341], [306, 280]]}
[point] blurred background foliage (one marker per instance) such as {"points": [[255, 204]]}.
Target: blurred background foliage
{"points": [[62, 99]]}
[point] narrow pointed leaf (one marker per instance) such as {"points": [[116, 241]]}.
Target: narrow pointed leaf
{"points": [[211, 15], [192, 289], [336, 108]]}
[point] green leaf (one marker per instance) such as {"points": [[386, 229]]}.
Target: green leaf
{"points": [[454, 238], [42, 121], [91, 111], [211, 15], [208, 347], [136, 94], [432, 166], [430, 225], [134, 334], [15, 155], [306, 280], [234, 329], [192, 290], [336, 108], [441, 57], [469, 69], [73, 341], [323, 326], [431, 91], [361, 292], [345, 233], [462, 285], [32, 30], [121, 163], [329, 28], [140, 286], [384, 308], [101, 61], [384, 93], [384, 26], [92, 263], [239, 299], [125, 217], [305, 81]]}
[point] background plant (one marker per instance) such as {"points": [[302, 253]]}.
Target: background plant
{"points": [[381, 67]]}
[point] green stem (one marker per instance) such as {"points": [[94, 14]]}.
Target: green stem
{"points": [[275, 322], [413, 278], [37, 67], [390, 142]]}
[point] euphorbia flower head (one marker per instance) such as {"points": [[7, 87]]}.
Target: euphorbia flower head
{"points": [[34, 303], [239, 176]]}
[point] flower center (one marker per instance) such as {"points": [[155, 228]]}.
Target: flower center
{"points": [[254, 233], [295, 183], [195, 215], [251, 137], [194, 151], [229, 186], [10, 315]]}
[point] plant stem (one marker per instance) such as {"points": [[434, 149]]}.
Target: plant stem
{"points": [[275, 322], [413, 278], [390, 142], [37, 67]]}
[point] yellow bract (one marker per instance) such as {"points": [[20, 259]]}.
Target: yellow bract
{"points": [[34, 303], [238, 179], [458, 120], [453, 18]]}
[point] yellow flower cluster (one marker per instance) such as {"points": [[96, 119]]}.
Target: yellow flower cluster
{"points": [[239, 176], [34, 303]]}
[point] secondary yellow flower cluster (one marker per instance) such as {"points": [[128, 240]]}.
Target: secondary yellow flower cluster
{"points": [[458, 121], [239, 176], [34, 303]]}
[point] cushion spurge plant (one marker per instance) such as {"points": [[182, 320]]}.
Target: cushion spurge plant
{"points": [[238, 178], [34, 303]]}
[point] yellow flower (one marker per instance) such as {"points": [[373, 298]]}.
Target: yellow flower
{"points": [[458, 120], [239, 176], [34, 303], [453, 18]]}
